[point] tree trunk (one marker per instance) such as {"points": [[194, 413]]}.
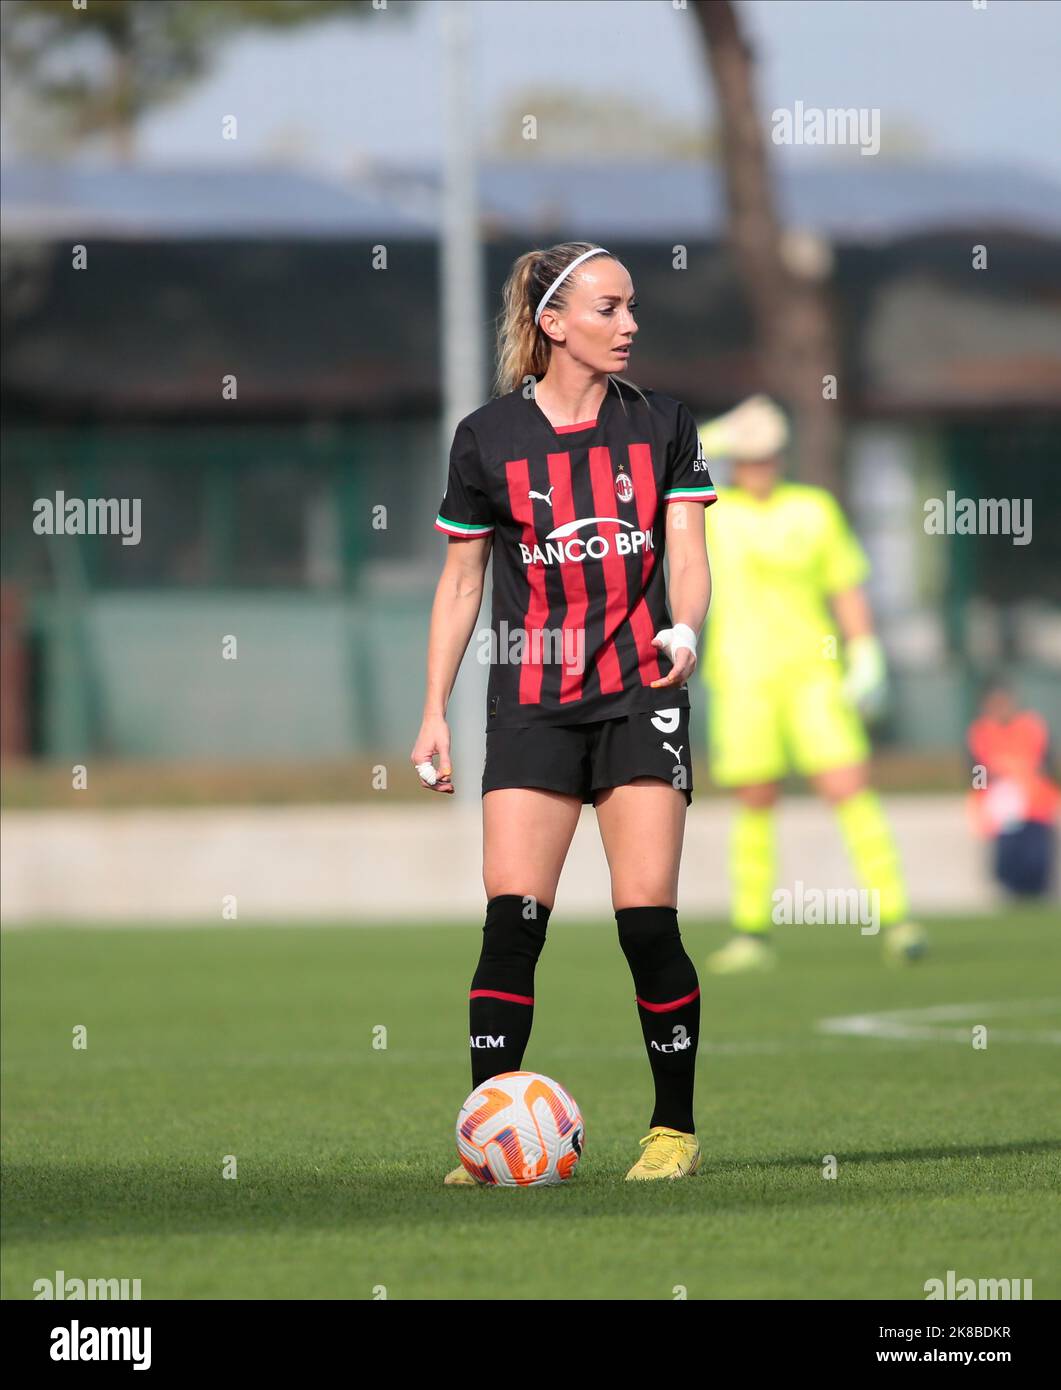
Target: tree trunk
{"points": [[795, 338]]}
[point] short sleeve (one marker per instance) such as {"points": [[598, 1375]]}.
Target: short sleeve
{"points": [[844, 564], [465, 510], [688, 479]]}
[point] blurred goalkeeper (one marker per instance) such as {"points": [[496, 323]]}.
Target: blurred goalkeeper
{"points": [[792, 668]]}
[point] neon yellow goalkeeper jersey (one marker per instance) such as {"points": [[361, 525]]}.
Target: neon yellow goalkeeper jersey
{"points": [[774, 564]]}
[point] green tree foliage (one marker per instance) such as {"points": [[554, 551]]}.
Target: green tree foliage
{"points": [[75, 72]]}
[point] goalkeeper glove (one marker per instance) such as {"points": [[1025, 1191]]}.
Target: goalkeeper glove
{"points": [[866, 679]]}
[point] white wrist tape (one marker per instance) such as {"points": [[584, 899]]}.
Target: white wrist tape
{"points": [[680, 635]]}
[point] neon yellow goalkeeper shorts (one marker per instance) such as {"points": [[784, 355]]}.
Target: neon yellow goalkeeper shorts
{"points": [[766, 730]]}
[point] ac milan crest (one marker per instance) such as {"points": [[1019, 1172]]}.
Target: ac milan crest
{"points": [[624, 488]]}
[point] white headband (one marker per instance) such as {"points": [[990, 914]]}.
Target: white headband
{"points": [[597, 251]]}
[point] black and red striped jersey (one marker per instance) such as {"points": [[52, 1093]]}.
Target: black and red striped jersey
{"points": [[576, 513]]}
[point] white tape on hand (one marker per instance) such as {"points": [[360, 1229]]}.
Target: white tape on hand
{"points": [[680, 635], [426, 772]]}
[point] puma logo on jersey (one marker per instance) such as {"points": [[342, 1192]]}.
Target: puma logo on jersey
{"points": [[545, 496], [677, 753]]}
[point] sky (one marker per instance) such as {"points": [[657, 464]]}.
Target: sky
{"points": [[978, 84]]}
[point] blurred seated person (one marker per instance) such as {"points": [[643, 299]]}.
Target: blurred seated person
{"points": [[1014, 802]]}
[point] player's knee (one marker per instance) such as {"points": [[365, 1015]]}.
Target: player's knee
{"points": [[515, 928], [632, 893], [843, 782], [649, 936], [759, 797]]}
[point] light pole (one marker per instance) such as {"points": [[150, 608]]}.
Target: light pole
{"points": [[463, 381]]}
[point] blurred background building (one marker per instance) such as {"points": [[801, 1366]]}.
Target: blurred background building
{"points": [[260, 509]]}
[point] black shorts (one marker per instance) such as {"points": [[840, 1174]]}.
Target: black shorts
{"points": [[583, 759]]}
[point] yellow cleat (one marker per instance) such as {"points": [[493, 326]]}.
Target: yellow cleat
{"points": [[667, 1154], [904, 943], [744, 953], [460, 1177]]}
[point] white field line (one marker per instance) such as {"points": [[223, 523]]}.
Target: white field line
{"points": [[920, 1025]]}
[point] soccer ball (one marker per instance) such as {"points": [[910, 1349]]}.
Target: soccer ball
{"points": [[520, 1129]]}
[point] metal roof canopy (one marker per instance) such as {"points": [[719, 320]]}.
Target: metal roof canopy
{"points": [[134, 203], [856, 199]]}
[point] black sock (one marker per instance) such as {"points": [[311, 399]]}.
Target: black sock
{"points": [[668, 1004], [501, 1002]]}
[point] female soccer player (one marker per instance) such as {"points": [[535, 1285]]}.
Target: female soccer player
{"points": [[579, 482]]}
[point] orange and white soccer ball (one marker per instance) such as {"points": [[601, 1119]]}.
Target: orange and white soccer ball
{"points": [[520, 1129]]}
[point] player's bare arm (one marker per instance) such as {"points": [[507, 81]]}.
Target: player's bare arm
{"points": [[689, 587], [853, 614], [458, 598], [865, 679]]}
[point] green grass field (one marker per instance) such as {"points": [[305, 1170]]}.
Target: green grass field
{"points": [[258, 1043]]}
